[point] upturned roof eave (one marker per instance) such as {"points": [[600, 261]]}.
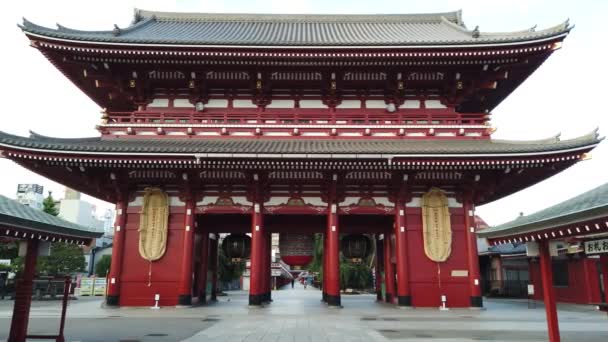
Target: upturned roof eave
{"points": [[582, 216], [403, 149], [434, 45], [450, 21], [15, 215]]}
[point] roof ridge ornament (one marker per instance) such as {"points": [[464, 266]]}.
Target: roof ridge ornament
{"points": [[116, 30], [475, 32]]}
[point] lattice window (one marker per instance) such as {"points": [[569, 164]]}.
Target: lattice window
{"points": [[295, 175], [365, 76], [166, 75], [296, 76], [227, 75], [426, 76], [368, 175], [439, 175], [219, 174], [152, 174]]}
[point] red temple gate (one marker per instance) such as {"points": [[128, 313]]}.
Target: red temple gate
{"points": [[256, 130]]}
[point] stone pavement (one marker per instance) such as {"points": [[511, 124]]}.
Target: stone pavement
{"points": [[298, 315]]}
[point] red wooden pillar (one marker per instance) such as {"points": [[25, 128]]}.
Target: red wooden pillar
{"points": [[389, 272], [267, 272], [472, 256], [332, 277], [202, 277], [269, 263], [213, 250], [118, 245], [23, 295], [548, 291], [604, 265], [378, 266], [185, 282], [256, 286], [324, 285], [403, 278]]}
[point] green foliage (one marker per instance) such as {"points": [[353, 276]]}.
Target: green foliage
{"points": [[9, 250], [228, 270], [355, 276], [49, 206], [103, 266], [64, 259], [316, 266]]}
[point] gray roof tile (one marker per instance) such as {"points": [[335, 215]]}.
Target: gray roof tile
{"points": [[586, 206], [151, 27], [15, 214], [440, 147]]}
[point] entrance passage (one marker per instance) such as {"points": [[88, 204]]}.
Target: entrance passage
{"points": [[296, 301], [367, 279]]}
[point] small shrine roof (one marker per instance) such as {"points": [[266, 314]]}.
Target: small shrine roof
{"points": [[508, 249], [311, 147], [295, 30], [16, 215], [590, 205]]}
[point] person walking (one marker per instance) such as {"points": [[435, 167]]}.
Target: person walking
{"points": [[292, 281]]}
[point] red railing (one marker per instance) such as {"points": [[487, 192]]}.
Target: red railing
{"points": [[300, 117]]}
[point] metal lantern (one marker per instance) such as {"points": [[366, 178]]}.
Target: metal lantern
{"points": [[237, 246], [356, 247], [296, 249]]}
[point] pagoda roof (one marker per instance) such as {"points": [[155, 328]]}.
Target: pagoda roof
{"points": [[312, 148], [590, 205], [19, 216], [296, 30]]}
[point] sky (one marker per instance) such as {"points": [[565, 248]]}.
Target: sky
{"points": [[562, 96]]}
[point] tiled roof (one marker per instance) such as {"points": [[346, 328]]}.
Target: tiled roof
{"points": [[151, 27], [440, 147], [17, 215], [508, 248], [589, 205]]}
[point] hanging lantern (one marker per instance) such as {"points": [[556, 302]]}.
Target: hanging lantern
{"points": [[356, 247], [296, 249], [237, 247]]}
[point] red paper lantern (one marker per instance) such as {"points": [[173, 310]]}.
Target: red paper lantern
{"points": [[296, 249]]}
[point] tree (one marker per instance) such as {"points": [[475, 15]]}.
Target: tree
{"points": [[103, 266], [357, 276], [9, 250], [49, 206], [316, 266], [64, 258]]}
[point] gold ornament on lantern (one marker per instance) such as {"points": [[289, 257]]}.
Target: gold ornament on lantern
{"points": [[436, 227]]}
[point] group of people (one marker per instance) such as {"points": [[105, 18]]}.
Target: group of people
{"points": [[303, 279]]}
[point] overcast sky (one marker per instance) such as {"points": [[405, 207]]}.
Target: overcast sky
{"points": [[564, 95]]}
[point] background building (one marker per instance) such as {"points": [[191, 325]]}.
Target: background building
{"points": [[72, 208], [30, 195]]}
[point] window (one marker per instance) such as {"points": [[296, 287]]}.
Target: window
{"points": [[560, 273]]}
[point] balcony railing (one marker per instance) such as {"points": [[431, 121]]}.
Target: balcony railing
{"points": [[298, 117]]}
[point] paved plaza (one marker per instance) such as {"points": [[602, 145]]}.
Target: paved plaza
{"points": [[298, 315]]}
